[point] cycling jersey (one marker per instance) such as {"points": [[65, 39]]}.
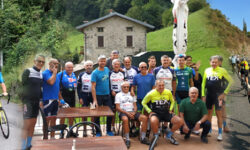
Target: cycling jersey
{"points": [[167, 75], [1, 78], [130, 74], [213, 79], [84, 88], [244, 65], [116, 79], [160, 102], [183, 76], [69, 83], [84, 82], [32, 81], [126, 101]]}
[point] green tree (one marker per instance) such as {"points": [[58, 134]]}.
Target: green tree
{"points": [[195, 5], [122, 6], [167, 17]]}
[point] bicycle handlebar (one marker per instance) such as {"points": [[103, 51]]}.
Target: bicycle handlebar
{"points": [[1, 95]]}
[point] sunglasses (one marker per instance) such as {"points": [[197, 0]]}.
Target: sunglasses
{"points": [[143, 67], [40, 61], [125, 86]]}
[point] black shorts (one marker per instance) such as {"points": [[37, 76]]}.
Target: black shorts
{"points": [[69, 97], [166, 117], [137, 115], [50, 107], [243, 71], [212, 99], [87, 99], [30, 109], [180, 95]]}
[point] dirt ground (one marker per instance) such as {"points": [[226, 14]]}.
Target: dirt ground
{"points": [[193, 143]]}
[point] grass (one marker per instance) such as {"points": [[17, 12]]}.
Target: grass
{"points": [[202, 42], [74, 40]]}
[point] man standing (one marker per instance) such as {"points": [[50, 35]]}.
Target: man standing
{"points": [[32, 81], [144, 82], [68, 83], [162, 103], [215, 92], [151, 64], [84, 85], [50, 93], [129, 70], [165, 73], [101, 90], [184, 78], [114, 55], [126, 106], [194, 113]]}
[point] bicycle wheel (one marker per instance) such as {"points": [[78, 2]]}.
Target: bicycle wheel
{"points": [[4, 123]]}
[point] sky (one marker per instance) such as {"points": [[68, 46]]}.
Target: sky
{"points": [[234, 10]]}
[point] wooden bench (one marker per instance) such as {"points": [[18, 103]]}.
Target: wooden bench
{"points": [[91, 143]]}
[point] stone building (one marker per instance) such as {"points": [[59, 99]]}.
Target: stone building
{"points": [[114, 32]]}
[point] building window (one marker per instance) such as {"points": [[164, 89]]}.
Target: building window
{"points": [[129, 29], [129, 41], [100, 29], [100, 41]]}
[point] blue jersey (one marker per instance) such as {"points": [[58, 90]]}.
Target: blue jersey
{"points": [[1, 78], [183, 76], [50, 91], [69, 82], [101, 78], [144, 84]]}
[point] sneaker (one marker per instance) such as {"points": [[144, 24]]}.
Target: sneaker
{"points": [[98, 134], [219, 138], [204, 139], [127, 142], [196, 132], [110, 133], [226, 129], [145, 141], [172, 140]]}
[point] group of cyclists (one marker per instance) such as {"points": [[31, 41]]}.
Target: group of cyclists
{"points": [[242, 68], [146, 94]]}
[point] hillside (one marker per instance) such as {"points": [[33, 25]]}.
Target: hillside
{"points": [[202, 41]]}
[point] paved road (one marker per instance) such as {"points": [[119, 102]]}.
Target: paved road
{"points": [[238, 109], [14, 115]]}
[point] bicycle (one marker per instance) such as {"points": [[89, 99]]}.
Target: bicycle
{"points": [[244, 85], [4, 124]]}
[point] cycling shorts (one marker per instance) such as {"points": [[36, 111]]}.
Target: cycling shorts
{"points": [[30, 109], [180, 95], [50, 107], [166, 117]]}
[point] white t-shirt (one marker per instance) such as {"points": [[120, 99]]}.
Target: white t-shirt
{"points": [[116, 79], [167, 75], [130, 74], [86, 82], [126, 101]]}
